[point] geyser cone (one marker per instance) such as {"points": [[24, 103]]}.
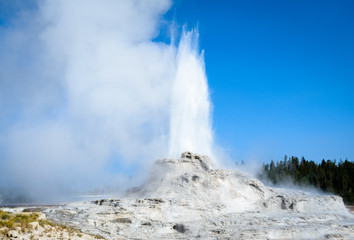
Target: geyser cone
{"points": [[194, 176], [188, 198]]}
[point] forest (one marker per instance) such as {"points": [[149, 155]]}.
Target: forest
{"points": [[329, 176]]}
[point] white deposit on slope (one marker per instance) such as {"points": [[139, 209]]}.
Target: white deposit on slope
{"points": [[194, 177], [188, 198]]}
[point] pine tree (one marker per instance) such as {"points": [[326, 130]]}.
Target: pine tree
{"points": [[328, 175]]}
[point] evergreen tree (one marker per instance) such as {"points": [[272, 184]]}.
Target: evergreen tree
{"points": [[328, 175]]}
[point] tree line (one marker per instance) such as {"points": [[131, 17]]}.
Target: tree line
{"points": [[329, 176]]}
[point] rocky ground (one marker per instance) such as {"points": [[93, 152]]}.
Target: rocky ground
{"points": [[189, 198]]}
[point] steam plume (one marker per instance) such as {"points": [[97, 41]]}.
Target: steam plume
{"points": [[85, 91]]}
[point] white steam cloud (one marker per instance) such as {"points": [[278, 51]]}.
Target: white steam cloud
{"points": [[86, 91]]}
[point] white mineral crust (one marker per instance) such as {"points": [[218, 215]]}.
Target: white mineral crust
{"points": [[188, 198]]}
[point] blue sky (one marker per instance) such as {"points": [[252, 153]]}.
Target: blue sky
{"points": [[281, 75]]}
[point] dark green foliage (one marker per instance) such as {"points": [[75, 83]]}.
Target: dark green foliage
{"points": [[337, 178]]}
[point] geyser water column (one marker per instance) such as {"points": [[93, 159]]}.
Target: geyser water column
{"points": [[190, 123]]}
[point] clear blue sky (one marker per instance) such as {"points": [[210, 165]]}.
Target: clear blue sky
{"points": [[281, 75]]}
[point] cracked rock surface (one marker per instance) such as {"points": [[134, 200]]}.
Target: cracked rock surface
{"points": [[188, 198]]}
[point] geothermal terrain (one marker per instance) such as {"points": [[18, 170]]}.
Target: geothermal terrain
{"points": [[188, 198]]}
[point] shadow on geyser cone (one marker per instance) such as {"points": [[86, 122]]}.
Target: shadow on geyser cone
{"points": [[189, 198]]}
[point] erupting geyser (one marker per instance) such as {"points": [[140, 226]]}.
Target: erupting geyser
{"points": [[190, 126], [100, 92], [106, 92]]}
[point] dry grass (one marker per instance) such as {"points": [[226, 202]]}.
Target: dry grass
{"points": [[11, 221], [20, 222]]}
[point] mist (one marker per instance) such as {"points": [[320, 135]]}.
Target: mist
{"points": [[89, 97]]}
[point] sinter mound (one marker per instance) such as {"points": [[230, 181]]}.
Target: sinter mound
{"points": [[189, 198]]}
